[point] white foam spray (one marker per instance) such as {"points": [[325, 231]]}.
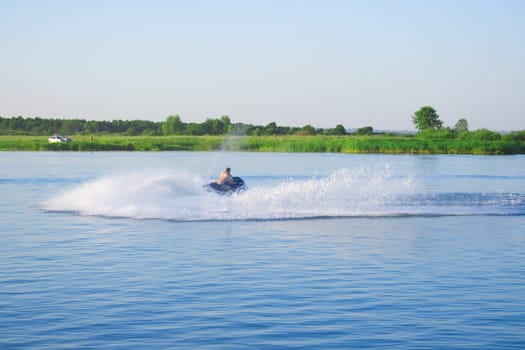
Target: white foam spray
{"points": [[182, 197]]}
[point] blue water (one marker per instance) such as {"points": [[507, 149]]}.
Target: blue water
{"points": [[129, 251]]}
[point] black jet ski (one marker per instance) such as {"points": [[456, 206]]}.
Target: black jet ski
{"points": [[227, 188]]}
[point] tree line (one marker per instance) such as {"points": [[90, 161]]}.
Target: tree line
{"points": [[173, 125], [430, 126], [426, 120]]}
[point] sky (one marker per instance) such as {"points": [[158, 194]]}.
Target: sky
{"points": [[323, 63]]}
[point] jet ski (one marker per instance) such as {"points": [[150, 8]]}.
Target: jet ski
{"points": [[227, 188]]}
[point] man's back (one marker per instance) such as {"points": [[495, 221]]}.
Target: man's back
{"points": [[224, 177]]}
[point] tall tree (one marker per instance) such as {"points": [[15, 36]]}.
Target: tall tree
{"points": [[270, 129], [173, 125], [427, 118], [461, 125], [338, 130], [227, 124]]}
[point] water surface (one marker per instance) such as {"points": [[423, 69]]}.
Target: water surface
{"points": [[129, 251]]}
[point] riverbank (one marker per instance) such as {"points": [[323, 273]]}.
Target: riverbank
{"points": [[397, 144]]}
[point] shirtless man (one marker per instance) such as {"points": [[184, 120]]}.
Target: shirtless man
{"points": [[225, 178]]}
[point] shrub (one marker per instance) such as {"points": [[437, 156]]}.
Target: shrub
{"points": [[485, 135]]}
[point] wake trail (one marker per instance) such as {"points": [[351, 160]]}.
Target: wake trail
{"points": [[363, 192]]}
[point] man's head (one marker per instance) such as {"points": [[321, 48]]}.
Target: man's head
{"points": [[228, 170]]}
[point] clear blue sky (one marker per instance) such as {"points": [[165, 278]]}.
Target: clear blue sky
{"points": [[323, 63]]}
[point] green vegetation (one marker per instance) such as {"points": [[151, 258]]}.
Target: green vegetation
{"points": [[31, 134], [113, 143], [427, 118], [173, 125], [479, 142]]}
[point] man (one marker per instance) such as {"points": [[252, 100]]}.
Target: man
{"points": [[225, 178]]}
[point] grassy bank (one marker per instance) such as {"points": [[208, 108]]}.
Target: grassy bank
{"points": [[338, 144], [113, 143]]}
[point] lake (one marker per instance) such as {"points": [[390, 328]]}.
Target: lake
{"points": [[128, 250]]}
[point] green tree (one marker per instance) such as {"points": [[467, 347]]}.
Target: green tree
{"points": [[461, 125], [427, 118], [196, 129], [308, 130], [173, 125], [338, 130], [485, 135], [71, 126], [227, 124], [270, 129], [365, 130]]}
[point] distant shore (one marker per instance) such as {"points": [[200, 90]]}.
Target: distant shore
{"points": [[385, 144]]}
